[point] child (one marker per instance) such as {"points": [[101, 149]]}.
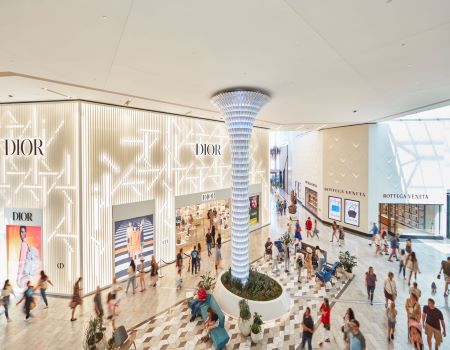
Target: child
{"points": [[392, 317], [211, 322]]}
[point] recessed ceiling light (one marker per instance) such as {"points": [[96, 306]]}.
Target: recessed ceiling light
{"points": [[105, 17], [355, 110], [10, 96], [403, 44], [410, 65]]}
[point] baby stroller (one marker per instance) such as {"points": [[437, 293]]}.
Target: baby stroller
{"points": [[415, 334]]}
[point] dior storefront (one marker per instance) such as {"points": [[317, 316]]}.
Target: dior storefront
{"points": [[84, 187]]}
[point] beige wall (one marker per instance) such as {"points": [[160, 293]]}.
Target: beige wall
{"points": [[345, 169]]}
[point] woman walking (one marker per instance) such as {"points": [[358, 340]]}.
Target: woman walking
{"points": [[153, 272], [391, 313], [6, 292], [308, 329], [76, 298], [308, 263], [325, 320], [371, 281], [131, 276], [390, 289], [43, 285], [218, 257], [142, 274], [412, 264], [111, 310], [334, 228], [341, 235], [29, 300], [298, 233], [287, 257], [346, 328], [403, 258], [179, 265]]}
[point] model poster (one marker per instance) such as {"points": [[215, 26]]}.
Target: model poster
{"points": [[24, 247], [351, 212], [254, 210], [133, 239], [334, 208]]}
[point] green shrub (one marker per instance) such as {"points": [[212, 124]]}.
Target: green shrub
{"points": [[260, 287], [244, 310]]}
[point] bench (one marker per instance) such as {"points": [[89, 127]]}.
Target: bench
{"points": [[219, 335]]}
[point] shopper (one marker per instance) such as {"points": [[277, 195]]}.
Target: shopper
{"points": [[98, 306], [357, 340], [298, 232], [111, 310], [115, 290], [213, 235], [179, 265], [275, 260], [373, 232], [415, 290], [347, 319], [390, 289], [153, 272], [341, 235], [433, 320], [299, 264], [194, 257], [199, 256], [287, 257], [209, 243], [408, 246], [76, 298], [211, 322], [412, 308], [142, 274], [391, 313], [334, 229], [131, 276], [201, 299], [6, 293], [320, 258], [315, 230], [394, 246], [378, 244], [268, 248], [43, 285], [29, 300], [218, 256], [308, 263], [371, 282], [412, 264], [308, 329], [445, 267], [284, 207], [325, 320], [402, 268], [308, 226]]}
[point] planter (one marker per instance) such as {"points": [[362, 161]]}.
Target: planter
{"points": [[347, 274], [257, 338], [244, 326]]}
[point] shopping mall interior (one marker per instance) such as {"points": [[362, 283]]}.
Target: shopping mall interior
{"points": [[255, 174]]}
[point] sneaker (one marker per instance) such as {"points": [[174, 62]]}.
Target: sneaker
{"points": [[73, 319], [321, 343], [392, 336]]}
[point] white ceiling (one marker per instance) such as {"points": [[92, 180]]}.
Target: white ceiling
{"points": [[320, 60]]}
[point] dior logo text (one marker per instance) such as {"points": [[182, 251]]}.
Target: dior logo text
{"points": [[207, 149], [23, 147], [19, 216]]}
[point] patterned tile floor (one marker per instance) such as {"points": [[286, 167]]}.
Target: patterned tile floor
{"points": [[172, 329]]}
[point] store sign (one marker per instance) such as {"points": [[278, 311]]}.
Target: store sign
{"points": [[348, 192], [207, 149], [208, 196], [405, 195], [21, 216], [24, 147]]}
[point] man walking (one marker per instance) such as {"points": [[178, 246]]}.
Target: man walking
{"points": [[373, 232], [432, 320], [445, 267], [194, 258], [356, 339]]}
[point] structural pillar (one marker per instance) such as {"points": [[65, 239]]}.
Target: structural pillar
{"points": [[239, 109]]}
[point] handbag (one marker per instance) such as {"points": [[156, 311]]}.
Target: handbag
{"points": [[439, 276]]}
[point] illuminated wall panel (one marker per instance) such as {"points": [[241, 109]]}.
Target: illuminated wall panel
{"points": [[50, 182]]}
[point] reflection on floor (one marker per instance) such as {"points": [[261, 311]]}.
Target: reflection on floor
{"points": [[172, 329]]}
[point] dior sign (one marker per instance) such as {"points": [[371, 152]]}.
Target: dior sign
{"points": [[24, 147], [207, 149], [208, 196]]}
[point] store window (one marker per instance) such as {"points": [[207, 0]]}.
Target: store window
{"points": [[410, 219], [195, 221], [311, 200]]}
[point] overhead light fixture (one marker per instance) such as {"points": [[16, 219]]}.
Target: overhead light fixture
{"points": [[105, 17], [355, 110]]}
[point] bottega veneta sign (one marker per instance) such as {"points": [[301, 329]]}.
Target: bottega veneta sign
{"points": [[207, 149], [24, 147]]}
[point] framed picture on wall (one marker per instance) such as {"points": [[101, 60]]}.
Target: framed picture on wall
{"points": [[335, 208], [351, 214]]}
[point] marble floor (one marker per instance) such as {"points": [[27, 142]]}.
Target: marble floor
{"points": [[51, 328]]}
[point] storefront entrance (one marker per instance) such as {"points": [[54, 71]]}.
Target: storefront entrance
{"points": [[410, 219]]}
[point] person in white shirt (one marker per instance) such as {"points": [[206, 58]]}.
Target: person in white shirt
{"points": [[6, 292], [390, 289]]}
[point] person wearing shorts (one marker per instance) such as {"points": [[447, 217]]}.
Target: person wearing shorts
{"points": [[445, 267], [432, 320]]}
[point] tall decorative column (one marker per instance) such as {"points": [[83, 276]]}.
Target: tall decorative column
{"points": [[239, 108]]}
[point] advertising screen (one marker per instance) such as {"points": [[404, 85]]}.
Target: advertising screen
{"points": [[24, 249], [133, 239], [334, 208], [254, 210], [351, 212]]}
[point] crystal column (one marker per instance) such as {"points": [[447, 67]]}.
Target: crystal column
{"points": [[239, 109]]}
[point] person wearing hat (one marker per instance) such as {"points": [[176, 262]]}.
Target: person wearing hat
{"points": [[308, 263]]}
